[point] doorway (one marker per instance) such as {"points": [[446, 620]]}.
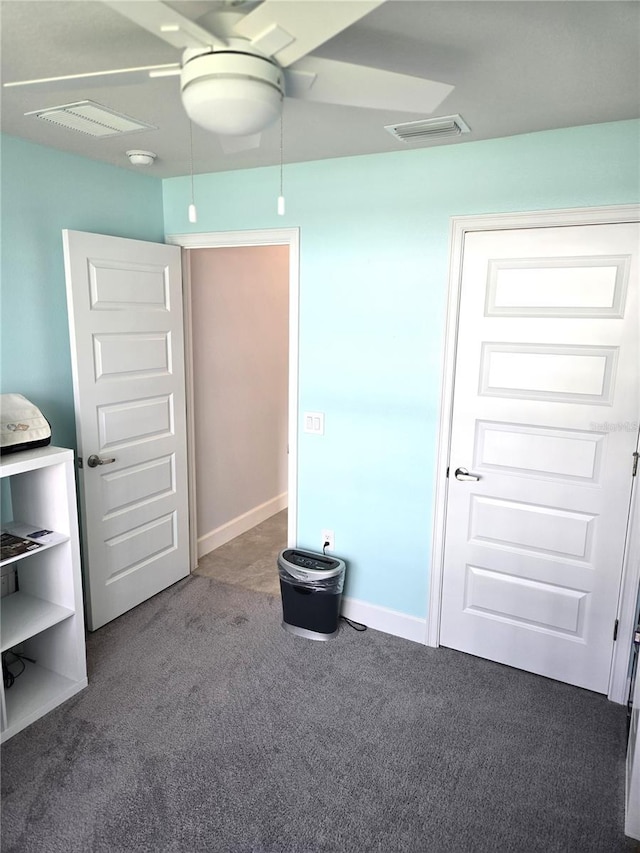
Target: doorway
{"points": [[241, 299]]}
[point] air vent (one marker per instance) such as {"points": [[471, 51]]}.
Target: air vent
{"points": [[91, 118], [429, 129]]}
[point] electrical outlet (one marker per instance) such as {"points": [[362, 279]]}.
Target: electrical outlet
{"points": [[327, 536]]}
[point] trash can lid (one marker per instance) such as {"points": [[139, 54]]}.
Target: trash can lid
{"points": [[307, 565]]}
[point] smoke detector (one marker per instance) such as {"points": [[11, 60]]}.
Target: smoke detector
{"points": [[428, 129], [141, 158]]}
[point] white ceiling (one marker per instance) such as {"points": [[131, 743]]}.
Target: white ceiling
{"points": [[517, 65]]}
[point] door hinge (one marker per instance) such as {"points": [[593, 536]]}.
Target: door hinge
{"points": [[615, 631], [636, 455]]}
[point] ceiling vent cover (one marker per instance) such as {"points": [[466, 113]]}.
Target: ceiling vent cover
{"points": [[429, 129], [91, 118]]}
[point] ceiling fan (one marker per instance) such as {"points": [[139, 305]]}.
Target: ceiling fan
{"points": [[233, 78]]}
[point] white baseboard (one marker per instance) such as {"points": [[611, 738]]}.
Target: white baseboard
{"points": [[226, 532], [383, 619]]}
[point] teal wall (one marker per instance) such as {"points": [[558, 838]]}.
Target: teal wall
{"points": [[44, 191], [374, 259]]}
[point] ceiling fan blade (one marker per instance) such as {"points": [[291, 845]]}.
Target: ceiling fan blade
{"points": [[290, 29], [117, 76], [164, 22], [333, 82], [231, 144]]}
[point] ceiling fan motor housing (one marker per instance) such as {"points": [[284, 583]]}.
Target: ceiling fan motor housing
{"points": [[231, 91]]}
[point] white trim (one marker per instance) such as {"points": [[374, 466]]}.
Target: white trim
{"points": [[547, 218], [240, 524], [188, 378], [383, 619], [460, 226], [228, 239], [444, 437], [294, 371], [619, 681], [266, 237]]}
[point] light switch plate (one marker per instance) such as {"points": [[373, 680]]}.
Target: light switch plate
{"points": [[313, 423]]}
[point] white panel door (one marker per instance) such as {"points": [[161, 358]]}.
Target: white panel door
{"points": [[125, 317], [545, 415]]}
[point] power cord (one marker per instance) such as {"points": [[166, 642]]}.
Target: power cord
{"points": [[357, 626], [9, 677]]}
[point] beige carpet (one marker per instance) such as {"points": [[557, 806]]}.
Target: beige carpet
{"points": [[250, 559]]}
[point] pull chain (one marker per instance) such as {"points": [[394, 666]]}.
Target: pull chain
{"points": [[193, 215], [281, 196]]}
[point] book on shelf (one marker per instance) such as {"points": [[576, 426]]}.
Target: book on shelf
{"points": [[12, 545]]}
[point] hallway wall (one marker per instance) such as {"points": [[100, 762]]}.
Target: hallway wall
{"points": [[240, 307]]}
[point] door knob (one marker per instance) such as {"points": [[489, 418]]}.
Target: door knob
{"points": [[93, 461], [463, 474]]}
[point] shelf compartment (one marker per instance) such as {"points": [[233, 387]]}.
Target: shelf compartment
{"points": [[22, 530], [35, 692], [44, 619], [25, 615]]}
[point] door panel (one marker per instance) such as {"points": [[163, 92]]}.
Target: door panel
{"points": [[557, 287], [543, 606], [571, 374], [125, 314], [128, 354], [545, 415], [537, 451]]}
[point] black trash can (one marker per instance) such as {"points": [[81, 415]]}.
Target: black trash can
{"points": [[311, 586]]}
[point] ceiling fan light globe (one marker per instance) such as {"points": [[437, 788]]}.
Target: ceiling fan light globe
{"points": [[233, 92], [232, 107]]}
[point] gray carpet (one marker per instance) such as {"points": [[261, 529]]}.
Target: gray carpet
{"points": [[206, 727]]}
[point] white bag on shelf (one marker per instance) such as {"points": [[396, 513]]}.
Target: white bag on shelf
{"points": [[22, 425]]}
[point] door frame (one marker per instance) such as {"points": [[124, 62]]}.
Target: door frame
{"points": [[233, 239], [459, 227]]}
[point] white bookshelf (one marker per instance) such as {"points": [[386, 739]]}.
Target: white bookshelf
{"points": [[44, 617]]}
